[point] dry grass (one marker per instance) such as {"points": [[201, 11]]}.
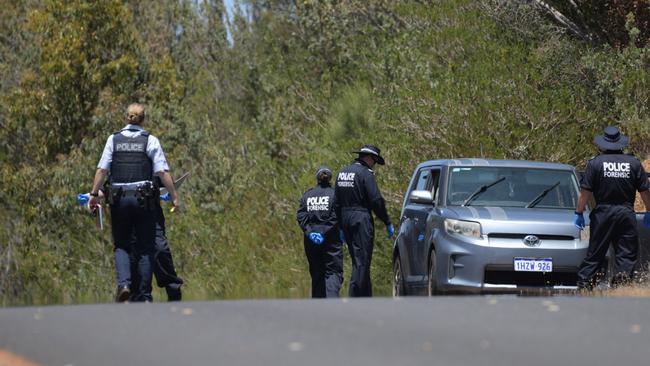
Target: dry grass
{"points": [[640, 288], [628, 291]]}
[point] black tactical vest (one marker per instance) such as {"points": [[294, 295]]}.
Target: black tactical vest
{"points": [[130, 161]]}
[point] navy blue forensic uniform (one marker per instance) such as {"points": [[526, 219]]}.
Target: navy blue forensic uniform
{"points": [[357, 196], [613, 178], [316, 214]]}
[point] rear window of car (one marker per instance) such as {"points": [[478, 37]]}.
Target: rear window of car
{"points": [[512, 187]]}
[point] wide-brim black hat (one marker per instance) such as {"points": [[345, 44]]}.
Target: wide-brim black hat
{"points": [[371, 150], [611, 139]]}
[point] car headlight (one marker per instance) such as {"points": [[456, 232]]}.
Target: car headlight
{"points": [[464, 228], [584, 233]]}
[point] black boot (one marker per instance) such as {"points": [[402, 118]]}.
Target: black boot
{"points": [[123, 294], [173, 292]]}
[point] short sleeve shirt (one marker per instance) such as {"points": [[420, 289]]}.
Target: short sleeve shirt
{"points": [[154, 150], [615, 178]]}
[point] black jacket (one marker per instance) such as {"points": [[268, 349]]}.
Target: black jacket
{"points": [[316, 212], [614, 178], [356, 188]]}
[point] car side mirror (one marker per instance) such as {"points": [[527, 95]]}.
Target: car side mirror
{"points": [[424, 197]]}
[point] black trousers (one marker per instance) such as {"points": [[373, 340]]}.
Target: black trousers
{"points": [[163, 264], [615, 224], [359, 230], [133, 230], [325, 265]]}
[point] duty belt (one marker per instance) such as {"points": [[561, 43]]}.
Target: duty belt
{"points": [[117, 193], [129, 193], [147, 194]]}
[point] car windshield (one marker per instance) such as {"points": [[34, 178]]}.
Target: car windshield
{"points": [[517, 187]]}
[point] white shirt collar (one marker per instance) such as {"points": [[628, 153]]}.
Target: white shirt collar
{"points": [[133, 127]]}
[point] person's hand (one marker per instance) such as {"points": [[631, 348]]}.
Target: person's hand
{"points": [[316, 238], [390, 230], [176, 205], [579, 220], [646, 219], [341, 236], [93, 203]]}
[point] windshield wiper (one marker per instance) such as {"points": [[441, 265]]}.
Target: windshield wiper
{"points": [[480, 190], [539, 197]]}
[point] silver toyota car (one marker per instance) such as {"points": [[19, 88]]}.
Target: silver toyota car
{"points": [[477, 226]]}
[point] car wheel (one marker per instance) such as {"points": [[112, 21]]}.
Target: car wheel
{"points": [[399, 288], [431, 281]]}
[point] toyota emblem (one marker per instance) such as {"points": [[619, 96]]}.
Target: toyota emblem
{"points": [[532, 241]]}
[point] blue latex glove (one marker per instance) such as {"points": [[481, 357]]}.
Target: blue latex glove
{"points": [[579, 220], [390, 230], [341, 236], [83, 198], [646, 220], [316, 238], [166, 197]]}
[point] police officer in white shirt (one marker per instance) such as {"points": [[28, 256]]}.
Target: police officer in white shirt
{"points": [[132, 157]]}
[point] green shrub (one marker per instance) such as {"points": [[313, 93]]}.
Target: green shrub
{"points": [[299, 86]]}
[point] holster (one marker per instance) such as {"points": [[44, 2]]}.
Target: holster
{"points": [[113, 194], [149, 196]]}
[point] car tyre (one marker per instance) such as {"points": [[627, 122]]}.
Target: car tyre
{"points": [[399, 287], [431, 278]]}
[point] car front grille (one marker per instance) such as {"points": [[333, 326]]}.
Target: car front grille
{"points": [[531, 279], [522, 236]]}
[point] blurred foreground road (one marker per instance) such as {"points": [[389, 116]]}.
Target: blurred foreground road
{"points": [[413, 331]]}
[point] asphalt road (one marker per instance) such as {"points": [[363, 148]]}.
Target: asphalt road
{"points": [[414, 331]]}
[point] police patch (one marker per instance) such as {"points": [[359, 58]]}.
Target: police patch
{"points": [[616, 170], [129, 146], [345, 179], [318, 203]]}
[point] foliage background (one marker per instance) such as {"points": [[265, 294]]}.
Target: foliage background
{"points": [[252, 104]]}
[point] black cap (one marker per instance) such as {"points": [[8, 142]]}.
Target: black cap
{"points": [[371, 150]]}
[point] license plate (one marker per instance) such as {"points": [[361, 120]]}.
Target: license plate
{"points": [[533, 264]]}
